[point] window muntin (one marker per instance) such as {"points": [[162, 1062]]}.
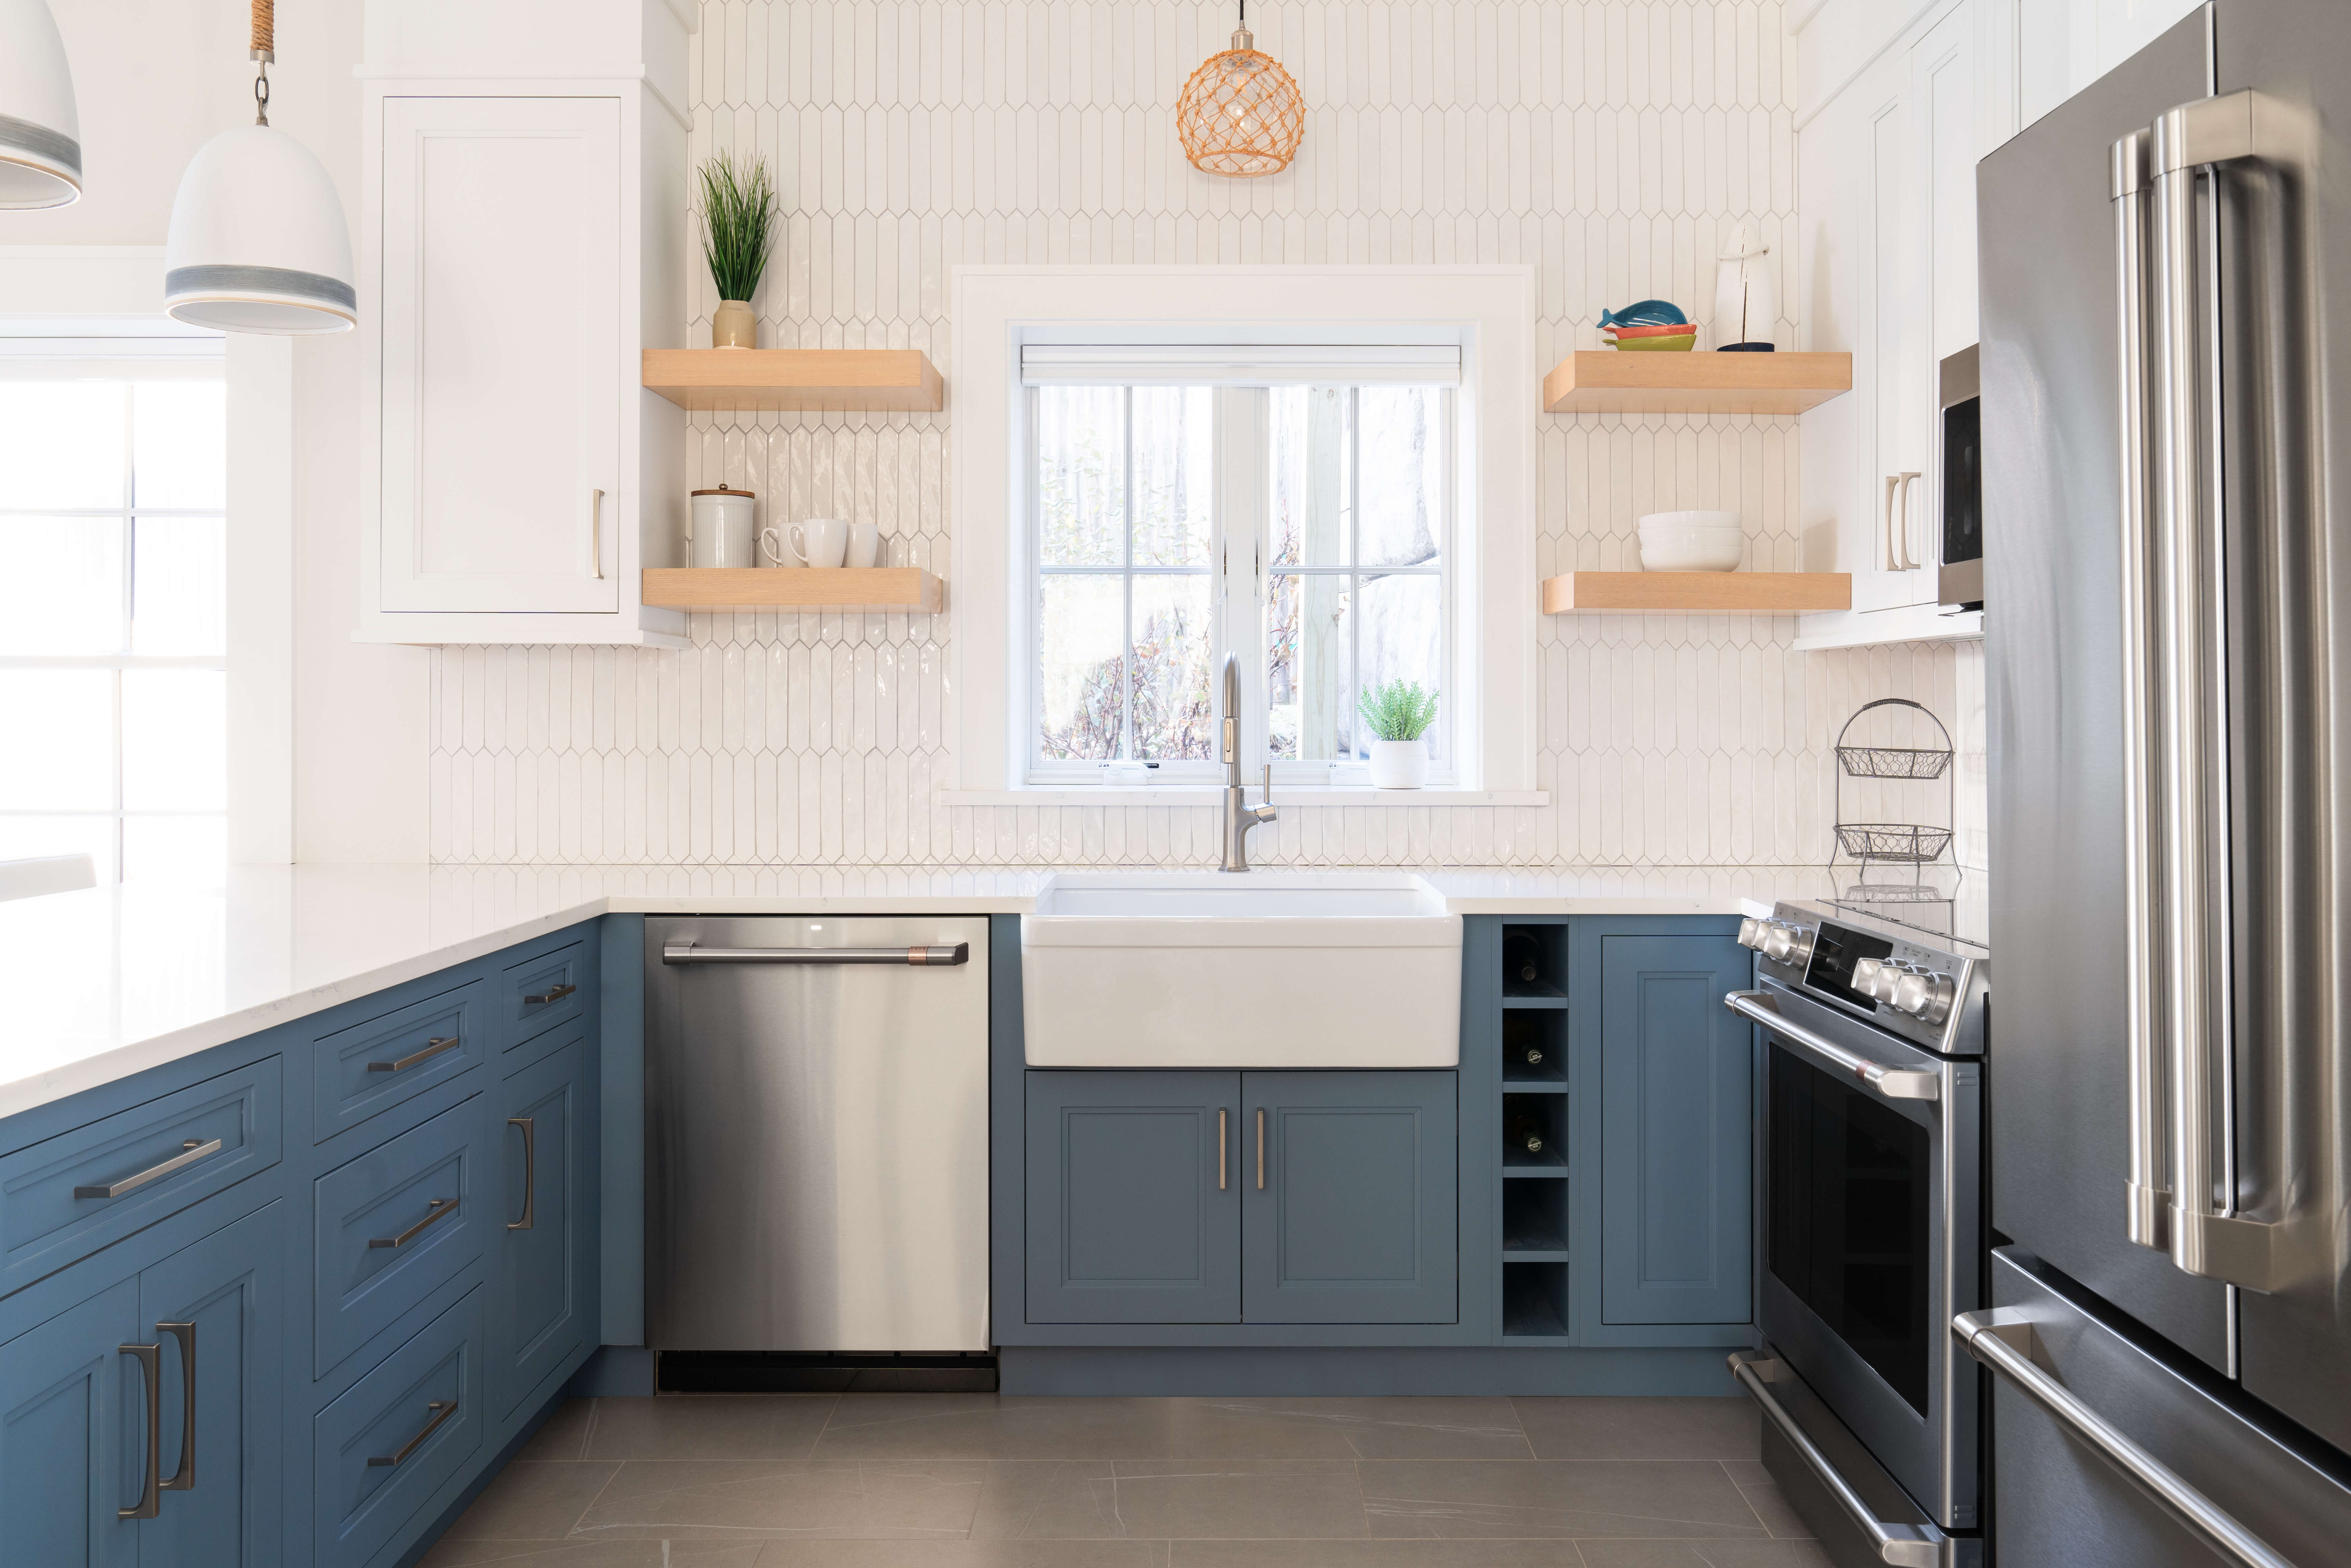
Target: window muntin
{"points": [[113, 634], [1332, 578]]}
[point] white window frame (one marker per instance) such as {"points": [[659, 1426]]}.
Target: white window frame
{"points": [[1485, 312], [94, 293]]}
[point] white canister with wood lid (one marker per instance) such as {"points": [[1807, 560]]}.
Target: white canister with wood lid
{"points": [[721, 529]]}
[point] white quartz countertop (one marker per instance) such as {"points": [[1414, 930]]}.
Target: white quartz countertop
{"points": [[99, 984]]}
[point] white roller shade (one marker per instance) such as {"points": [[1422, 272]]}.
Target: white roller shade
{"points": [[1237, 365]]}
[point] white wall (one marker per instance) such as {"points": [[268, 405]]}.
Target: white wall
{"points": [[154, 80], [1609, 143]]}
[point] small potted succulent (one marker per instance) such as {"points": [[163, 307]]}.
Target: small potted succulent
{"points": [[1398, 713], [739, 222]]}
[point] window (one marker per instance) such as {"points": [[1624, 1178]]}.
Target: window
{"points": [[1300, 526], [113, 637]]}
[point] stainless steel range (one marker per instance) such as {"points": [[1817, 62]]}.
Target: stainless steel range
{"points": [[1871, 1219]]}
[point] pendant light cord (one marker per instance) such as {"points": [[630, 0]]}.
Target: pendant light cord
{"points": [[263, 49]]}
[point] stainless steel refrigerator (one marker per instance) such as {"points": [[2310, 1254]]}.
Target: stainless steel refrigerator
{"points": [[2167, 431]]}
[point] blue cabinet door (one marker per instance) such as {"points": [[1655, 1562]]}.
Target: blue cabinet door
{"points": [[229, 1290], [1133, 1197], [1351, 1204], [542, 1306], [73, 1436], [1676, 1137]]}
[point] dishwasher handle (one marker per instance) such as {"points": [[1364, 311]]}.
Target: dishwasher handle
{"points": [[915, 957]]}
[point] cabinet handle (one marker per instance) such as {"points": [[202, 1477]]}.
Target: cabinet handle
{"points": [[433, 1047], [190, 1153], [184, 1478], [150, 1369], [596, 533], [1220, 1148], [1261, 1148], [552, 994], [1897, 532], [529, 1171], [1886, 556], [443, 1409], [442, 1209]]}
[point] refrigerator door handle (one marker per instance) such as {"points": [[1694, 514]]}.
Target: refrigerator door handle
{"points": [[2147, 1187], [2004, 1340], [2206, 1237], [1901, 1545]]}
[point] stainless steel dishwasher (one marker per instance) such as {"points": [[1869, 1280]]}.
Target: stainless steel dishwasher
{"points": [[816, 1134]]}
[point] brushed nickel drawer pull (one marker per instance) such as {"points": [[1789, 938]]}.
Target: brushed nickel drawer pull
{"points": [[442, 1209], [552, 994], [1261, 1148], [184, 1478], [190, 1153], [444, 1409], [1220, 1148], [529, 1170], [433, 1047]]}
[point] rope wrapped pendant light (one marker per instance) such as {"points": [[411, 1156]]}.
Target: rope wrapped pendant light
{"points": [[1240, 115]]}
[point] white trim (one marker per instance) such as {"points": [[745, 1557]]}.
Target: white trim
{"points": [[1237, 365], [1487, 311]]}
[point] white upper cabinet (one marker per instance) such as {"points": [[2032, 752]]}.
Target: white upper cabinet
{"points": [[523, 241], [1888, 237], [502, 375]]}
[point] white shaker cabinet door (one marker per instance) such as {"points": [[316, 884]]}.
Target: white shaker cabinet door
{"points": [[1892, 372], [502, 347]]}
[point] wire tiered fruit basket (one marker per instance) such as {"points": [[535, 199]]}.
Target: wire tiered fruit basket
{"points": [[1864, 847]]}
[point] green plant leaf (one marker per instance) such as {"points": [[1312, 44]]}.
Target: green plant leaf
{"points": [[739, 221], [1400, 710]]}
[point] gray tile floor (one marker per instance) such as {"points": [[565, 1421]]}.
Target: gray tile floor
{"points": [[967, 1481]]}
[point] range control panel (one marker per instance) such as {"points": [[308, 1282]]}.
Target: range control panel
{"points": [[1933, 996]]}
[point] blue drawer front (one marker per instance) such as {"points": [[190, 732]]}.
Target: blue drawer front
{"points": [[44, 1225], [542, 992], [360, 1507], [371, 1066], [394, 1193]]}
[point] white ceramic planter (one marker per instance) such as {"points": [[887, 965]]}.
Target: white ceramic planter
{"points": [[1399, 764]]}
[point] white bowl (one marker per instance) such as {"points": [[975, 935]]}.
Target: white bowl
{"points": [[1691, 541]]}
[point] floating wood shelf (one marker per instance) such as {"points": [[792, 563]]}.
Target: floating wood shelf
{"points": [[886, 378], [1696, 592], [1607, 380], [901, 588]]}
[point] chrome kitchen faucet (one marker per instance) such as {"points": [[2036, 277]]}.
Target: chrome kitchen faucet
{"points": [[1240, 816]]}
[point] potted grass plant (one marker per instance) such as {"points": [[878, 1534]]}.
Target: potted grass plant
{"points": [[1398, 713], [739, 222]]}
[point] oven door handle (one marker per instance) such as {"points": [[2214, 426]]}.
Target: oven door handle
{"points": [[1889, 1082], [1902, 1545], [2004, 1340]]}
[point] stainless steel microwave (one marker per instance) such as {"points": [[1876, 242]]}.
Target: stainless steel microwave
{"points": [[1959, 583]]}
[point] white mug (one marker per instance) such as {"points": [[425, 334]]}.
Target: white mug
{"points": [[820, 541], [864, 544], [719, 528]]}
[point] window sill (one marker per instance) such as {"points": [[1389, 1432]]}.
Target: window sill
{"points": [[1206, 796]]}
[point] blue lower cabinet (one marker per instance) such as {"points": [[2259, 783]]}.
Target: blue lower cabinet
{"points": [[72, 1435], [1133, 1197], [1351, 1206], [386, 1447], [1676, 1141], [215, 1311], [541, 1308], [393, 1225]]}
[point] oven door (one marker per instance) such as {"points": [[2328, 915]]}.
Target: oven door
{"points": [[1871, 1222]]}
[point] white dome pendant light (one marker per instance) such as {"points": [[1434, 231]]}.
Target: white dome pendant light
{"points": [[40, 137], [257, 241]]}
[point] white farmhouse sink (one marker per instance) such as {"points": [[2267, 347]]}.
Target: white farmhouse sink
{"points": [[1249, 969]]}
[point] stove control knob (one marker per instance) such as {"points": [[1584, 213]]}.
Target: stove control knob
{"points": [[1925, 997], [1786, 944], [1750, 932], [1868, 973]]}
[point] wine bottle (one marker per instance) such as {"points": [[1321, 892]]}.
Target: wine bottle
{"points": [[1524, 1130], [1532, 1055], [1522, 957]]}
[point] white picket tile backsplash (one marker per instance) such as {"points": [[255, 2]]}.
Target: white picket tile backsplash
{"points": [[1609, 143]]}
